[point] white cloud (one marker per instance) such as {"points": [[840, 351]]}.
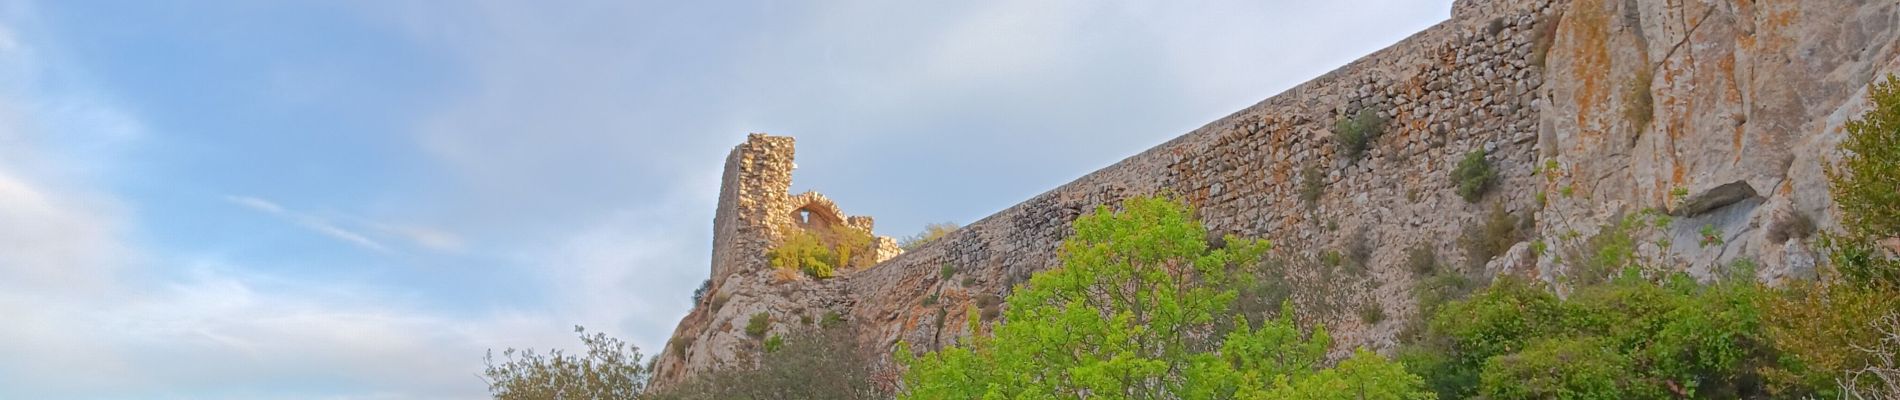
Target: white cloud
{"points": [[419, 236]]}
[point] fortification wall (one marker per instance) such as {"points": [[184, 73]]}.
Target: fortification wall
{"points": [[1720, 113], [1462, 85]]}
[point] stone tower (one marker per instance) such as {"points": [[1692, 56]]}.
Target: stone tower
{"points": [[757, 211]]}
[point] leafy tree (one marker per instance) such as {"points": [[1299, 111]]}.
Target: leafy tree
{"points": [[1866, 186], [1137, 311], [611, 369], [931, 233]]}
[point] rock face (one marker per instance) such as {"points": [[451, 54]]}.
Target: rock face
{"points": [[1720, 113]]}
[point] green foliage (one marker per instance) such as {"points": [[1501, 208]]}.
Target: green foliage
{"points": [[700, 293], [832, 319], [930, 300], [772, 344], [1491, 235], [1866, 186], [947, 271], [1610, 252], [1630, 338], [1312, 185], [1355, 134], [1711, 236], [804, 252], [611, 369], [931, 233], [1818, 328], [1139, 309], [1567, 368], [1474, 176], [811, 364], [756, 326]]}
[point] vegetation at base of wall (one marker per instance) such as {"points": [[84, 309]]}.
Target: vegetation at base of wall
{"points": [[756, 326], [806, 252], [1489, 236], [1119, 317], [802, 251], [931, 233], [1356, 133], [809, 364], [1474, 176], [610, 369]]}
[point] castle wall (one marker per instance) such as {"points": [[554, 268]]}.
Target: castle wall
{"points": [[1748, 99]]}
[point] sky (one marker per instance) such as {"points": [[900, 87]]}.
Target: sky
{"points": [[338, 199]]}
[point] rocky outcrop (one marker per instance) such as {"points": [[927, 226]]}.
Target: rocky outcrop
{"points": [[1720, 114]]}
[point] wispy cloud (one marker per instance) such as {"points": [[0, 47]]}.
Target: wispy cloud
{"points": [[313, 223]]}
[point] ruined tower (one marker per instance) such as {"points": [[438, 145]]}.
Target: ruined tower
{"points": [[756, 210]]}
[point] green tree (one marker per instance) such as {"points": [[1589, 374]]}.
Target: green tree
{"points": [[1866, 186], [1137, 311], [611, 369], [802, 251]]}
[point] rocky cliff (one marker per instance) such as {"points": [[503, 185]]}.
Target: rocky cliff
{"points": [[1718, 113]]}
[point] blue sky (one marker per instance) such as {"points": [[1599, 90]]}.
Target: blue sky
{"points": [[355, 199]]}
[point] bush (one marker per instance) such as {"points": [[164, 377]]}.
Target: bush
{"points": [[700, 293], [611, 369], [832, 319], [1490, 236], [756, 326], [1312, 185], [1474, 176], [946, 271], [931, 233], [1371, 312], [1639, 105], [802, 251], [1358, 252], [1355, 134], [1421, 259], [1631, 338]]}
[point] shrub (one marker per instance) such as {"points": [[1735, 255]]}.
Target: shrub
{"points": [[930, 300], [719, 301], [1583, 368], [611, 369], [1371, 312], [1487, 237], [931, 233], [1356, 133], [1474, 176], [1312, 185], [832, 319], [700, 293], [1818, 327], [802, 251], [1421, 259], [1358, 252], [756, 326], [1794, 226], [773, 343], [1639, 105], [947, 271]]}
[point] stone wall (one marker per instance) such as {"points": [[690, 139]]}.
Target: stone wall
{"points": [[1719, 112]]}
